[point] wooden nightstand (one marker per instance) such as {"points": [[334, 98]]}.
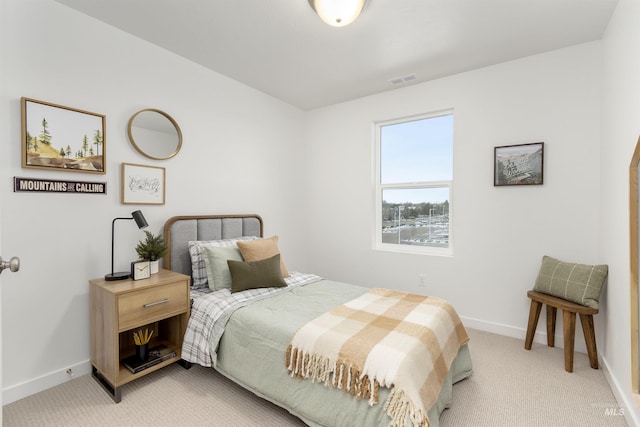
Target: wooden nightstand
{"points": [[117, 308]]}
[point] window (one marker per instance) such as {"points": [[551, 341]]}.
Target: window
{"points": [[414, 163]]}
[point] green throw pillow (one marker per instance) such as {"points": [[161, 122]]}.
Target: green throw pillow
{"points": [[215, 259], [265, 273], [579, 283]]}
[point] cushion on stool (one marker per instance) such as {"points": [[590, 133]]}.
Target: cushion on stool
{"points": [[579, 283]]}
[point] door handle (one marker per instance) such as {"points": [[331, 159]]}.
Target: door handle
{"points": [[13, 264]]}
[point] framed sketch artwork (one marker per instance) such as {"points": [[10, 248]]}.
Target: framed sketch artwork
{"points": [[519, 164], [61, 138], [142, 185]]}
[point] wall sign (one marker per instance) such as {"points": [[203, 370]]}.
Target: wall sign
{"points": [[57, 186]]}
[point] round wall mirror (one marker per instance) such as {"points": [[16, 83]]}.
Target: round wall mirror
{"points": [[155, 134]]}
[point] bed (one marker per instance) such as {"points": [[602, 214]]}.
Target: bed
{"points": [[249, 341]]}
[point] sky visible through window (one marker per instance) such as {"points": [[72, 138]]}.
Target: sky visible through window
{"points": [[416, 174], [417, 151]]}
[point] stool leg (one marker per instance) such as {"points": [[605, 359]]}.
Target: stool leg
{"points": [[569, 326], [551, 326], [534, 315], [590, 338]]}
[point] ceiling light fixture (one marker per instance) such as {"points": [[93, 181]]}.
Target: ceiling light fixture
{"points": [[338, 13]]}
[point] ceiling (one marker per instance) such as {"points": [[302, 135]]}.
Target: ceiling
{"points": [[282, 48]]}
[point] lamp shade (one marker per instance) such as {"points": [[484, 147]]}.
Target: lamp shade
{"points": [[140, 220], [338, 13]]}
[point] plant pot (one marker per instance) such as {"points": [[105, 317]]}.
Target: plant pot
{"points": [[142, 352], [154, 266]]}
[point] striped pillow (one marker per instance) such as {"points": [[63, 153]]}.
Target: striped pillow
{"points": [[579, 283]]}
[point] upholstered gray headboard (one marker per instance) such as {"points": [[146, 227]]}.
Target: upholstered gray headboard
{"points": [[179, 230]]}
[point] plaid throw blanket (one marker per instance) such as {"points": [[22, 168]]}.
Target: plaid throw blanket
{"points": [[387, 338]]}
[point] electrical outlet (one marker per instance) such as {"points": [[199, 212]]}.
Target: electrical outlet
{"points": [[422, 280]]}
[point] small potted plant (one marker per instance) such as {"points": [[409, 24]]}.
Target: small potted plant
{"points": [[151, 248]]}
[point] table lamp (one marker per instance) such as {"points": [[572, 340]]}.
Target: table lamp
{"points": [[142, 223]]}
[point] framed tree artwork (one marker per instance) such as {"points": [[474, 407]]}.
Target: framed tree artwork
{"points": [[55, 137]]}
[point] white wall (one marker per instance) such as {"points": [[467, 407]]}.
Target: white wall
{"points": [[500, 233], [621, 129], [238, 155]]}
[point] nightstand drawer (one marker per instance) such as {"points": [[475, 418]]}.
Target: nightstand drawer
{"points": [[140, 307]]}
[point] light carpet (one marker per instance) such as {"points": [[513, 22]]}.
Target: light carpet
{"points": [[510, 386]]}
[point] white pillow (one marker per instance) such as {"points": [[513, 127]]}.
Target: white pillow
{"points": [[198, 267]]}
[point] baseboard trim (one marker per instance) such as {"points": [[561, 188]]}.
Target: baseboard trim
{"points": [[630, 415], [520, 333], [44, 382]]}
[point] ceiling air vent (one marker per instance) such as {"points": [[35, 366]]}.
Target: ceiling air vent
{"points": [[403, 79]]}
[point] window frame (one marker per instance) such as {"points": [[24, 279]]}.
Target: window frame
{"points": [[379, 188]]}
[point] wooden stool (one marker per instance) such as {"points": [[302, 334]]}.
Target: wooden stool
{"points": [[569, 310]]}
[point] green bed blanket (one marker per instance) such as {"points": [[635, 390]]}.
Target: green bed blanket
{"points": [[252, 353]]}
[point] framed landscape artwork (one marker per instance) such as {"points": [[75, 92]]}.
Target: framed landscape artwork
{"points": [[56, 137], [519, 164], [143, 185]]}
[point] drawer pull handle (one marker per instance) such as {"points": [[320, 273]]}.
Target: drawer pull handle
{"points": [[151, 304]]}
